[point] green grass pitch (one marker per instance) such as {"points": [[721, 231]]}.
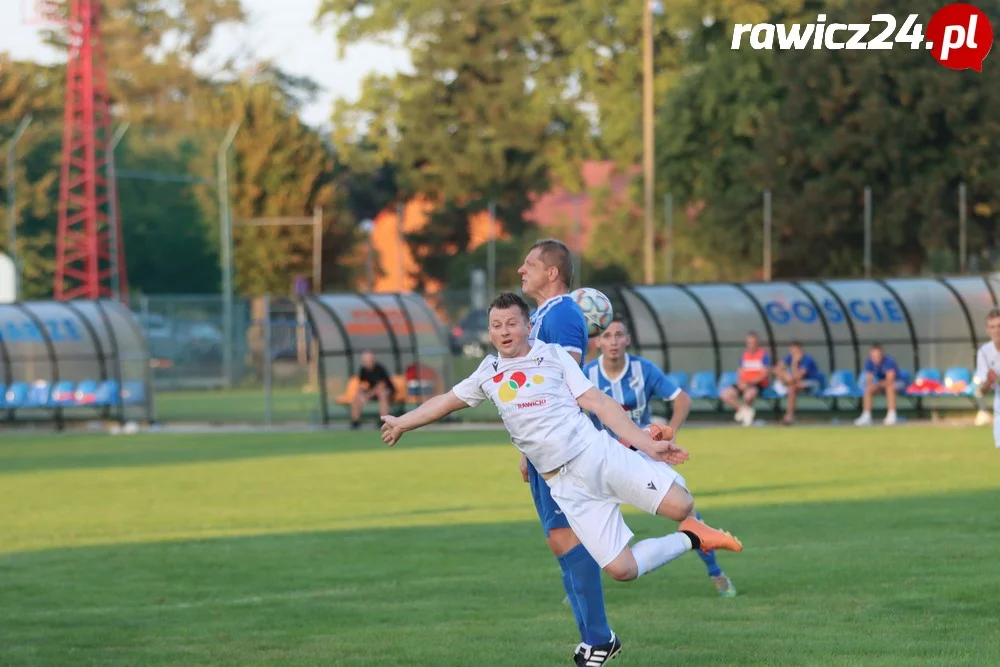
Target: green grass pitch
{"points": [[863, 547]]}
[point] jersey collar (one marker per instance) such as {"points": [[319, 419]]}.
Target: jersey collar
{"points": [[600, 366]]}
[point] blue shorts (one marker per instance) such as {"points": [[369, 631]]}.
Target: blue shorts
{"points": [[548, 511]]}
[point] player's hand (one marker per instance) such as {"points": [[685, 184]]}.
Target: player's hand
{"points": [[991, 376], [524, 468], [391, 430], [671, 453]]}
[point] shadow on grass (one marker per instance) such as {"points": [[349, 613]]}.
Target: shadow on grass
{"points": [[895, 582], [35, 453]]}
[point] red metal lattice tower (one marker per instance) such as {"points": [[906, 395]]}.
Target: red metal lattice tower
{"points": [[83, 249]]}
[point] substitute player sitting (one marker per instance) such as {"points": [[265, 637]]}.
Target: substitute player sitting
{"points": [[539, 391], [753, 376], [633, 382], [988, 367]]}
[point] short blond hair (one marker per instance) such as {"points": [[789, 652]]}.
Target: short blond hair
{"points": [[993, 314]]}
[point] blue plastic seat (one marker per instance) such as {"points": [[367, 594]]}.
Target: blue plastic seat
{"points": [[703, 385], [932, 374], [107, 393], [39, 394], [727, 379], [17, 395], [679, 378], [842, 383], [134, 392], [959, 378], [63, 393], [86, 392]]}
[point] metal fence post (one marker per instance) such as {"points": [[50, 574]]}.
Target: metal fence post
{"points": [[267, 359]]}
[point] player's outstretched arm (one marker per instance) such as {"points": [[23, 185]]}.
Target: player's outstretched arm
{"points": [[618, 421], [436, 408]]}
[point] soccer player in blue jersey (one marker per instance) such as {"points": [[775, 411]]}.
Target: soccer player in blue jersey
{"points": [[546, 274], [633, 382]]}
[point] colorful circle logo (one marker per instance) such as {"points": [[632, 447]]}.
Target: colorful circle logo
{"points": [[509, 388]]}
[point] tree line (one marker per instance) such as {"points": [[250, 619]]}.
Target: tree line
{"points": [[503, 100]]}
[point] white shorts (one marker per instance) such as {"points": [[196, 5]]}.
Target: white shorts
{"points": [[591, 488]]}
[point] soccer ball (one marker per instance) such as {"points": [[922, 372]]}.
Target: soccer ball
{"points": [[596, 309]]}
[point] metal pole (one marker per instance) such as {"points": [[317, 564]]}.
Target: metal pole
{"points": [[668, 205], [114, 240], [400, 245], [226, 247], [647, 130], [868, 232], [12, 204], [962, 230], [577, 242], [371, 264], [491, 252], [767, 235], [267, 359], [317, 250]]}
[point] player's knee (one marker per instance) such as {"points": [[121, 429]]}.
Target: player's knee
{"points": [[677, 505], [562, 541], [622, 571]]}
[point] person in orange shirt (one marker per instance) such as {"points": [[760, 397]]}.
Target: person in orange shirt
{"points": [[753, 376]]}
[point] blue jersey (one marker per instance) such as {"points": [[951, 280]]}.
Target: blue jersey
{"points": [[560, 321], [879, 371], [641, 381]]}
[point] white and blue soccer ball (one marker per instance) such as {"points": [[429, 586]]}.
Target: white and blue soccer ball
{"points": [[596, 309]]}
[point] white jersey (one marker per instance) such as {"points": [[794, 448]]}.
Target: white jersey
{"points": [[536, 397], [988, 358]]}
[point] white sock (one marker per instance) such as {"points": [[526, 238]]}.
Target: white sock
{"points": [[658, 551]]}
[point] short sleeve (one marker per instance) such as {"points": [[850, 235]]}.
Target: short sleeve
{"points": [[766, 360], [470, 390], [575, 379], [890, 365], [565, 326], [787, 360], [869, 365], [659, 384]]}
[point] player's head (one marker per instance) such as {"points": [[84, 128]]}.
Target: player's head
{"points": [[614, 341], [752, 340], [368, 359], [509, 322], [876, 353], [547, 270], [796, 349], [993, 325]]}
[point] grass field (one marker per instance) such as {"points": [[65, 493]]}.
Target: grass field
{"points": [[863, 547]]}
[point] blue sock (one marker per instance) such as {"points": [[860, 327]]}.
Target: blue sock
{"points": [[569, 593], [582, 578], [708, 558]]}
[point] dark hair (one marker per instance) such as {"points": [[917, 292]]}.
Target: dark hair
{"points": [[556, 253], [876, 346], [993, 314], [753, 333], [796, 343], [620, 320], [506, 300]]}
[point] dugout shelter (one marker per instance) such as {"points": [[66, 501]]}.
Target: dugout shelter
{"points": [[73, 360], [401, 330], [932, 327]]}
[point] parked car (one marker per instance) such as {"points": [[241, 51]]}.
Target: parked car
{"points": [[471, 336]]}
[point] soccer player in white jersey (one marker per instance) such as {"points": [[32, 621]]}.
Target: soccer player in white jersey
{"points": [[988, 367], [539, 391], [634, 382]]}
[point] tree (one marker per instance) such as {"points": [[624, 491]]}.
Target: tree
{"points": [[475, 122], [815, 129]]}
